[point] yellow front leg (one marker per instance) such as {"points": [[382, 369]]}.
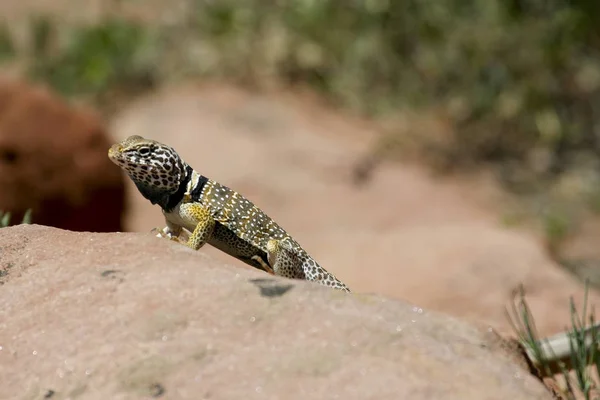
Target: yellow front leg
{"points": [[205, 224]]}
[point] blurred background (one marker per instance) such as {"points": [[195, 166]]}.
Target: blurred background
{"points": [[438, 152]]}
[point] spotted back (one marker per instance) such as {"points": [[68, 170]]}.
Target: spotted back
{"points": [[149, 163], [240, 215]]}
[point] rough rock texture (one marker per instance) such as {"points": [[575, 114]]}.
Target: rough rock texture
{"points": [[435, 242], [131, 316], [53, 160]]}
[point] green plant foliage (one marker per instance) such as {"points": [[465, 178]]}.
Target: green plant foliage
{"points": [[43, 33], [515, 77], [5, 218], [582, 355], [94, 59], [519, 80], [7, 48], [557, 226]]}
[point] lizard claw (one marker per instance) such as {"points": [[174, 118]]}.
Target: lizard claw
{"points": [[266, 267], [165, 233], [160, 232]]}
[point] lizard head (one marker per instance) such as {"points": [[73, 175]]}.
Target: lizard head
{"points": [[155, 168]]}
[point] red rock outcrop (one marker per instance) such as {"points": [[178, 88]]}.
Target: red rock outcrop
{"points": [[53, 160]]}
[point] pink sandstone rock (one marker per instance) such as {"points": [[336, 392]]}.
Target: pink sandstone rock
{"points": [[131, 316]]}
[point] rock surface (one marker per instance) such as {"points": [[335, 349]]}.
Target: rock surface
{"points": [[131, 316], [408, 235], [53, 160]]}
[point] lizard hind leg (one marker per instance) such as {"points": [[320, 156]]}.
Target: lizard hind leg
{"points": [[284, 260], [289, 262]]}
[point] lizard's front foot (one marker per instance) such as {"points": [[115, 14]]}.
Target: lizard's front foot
{"points": [[165, 233]]}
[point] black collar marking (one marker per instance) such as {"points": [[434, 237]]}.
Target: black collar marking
{"points": [[176, 197], [197, 191]]}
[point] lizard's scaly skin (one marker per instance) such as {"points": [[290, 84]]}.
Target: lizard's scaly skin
{"points": [[213, 213]]}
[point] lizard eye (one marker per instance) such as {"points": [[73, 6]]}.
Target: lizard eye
{"points": [[144, 151]]}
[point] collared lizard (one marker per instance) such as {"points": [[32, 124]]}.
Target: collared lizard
{"points": [[213, 213]]}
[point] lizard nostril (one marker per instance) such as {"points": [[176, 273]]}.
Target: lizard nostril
{"points": [[114, 150]]}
